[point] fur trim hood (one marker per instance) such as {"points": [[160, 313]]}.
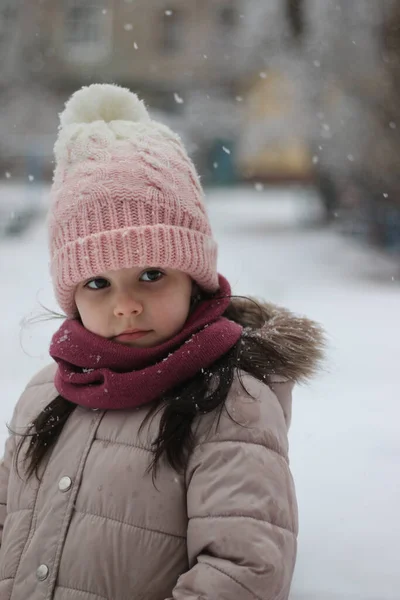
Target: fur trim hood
{"points": [[294, 344]]}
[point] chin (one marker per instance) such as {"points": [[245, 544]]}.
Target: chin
{"points": [[140, 343]]}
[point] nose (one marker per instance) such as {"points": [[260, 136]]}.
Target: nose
{"points": [[126, 305]]}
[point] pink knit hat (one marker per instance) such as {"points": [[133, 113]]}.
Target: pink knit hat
{"points": [[124, 194]]}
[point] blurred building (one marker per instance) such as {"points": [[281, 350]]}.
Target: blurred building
{"points": [[200, 63], [164, 47], [352, 53]]}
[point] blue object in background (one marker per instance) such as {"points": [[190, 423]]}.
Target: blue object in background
{"points": [[221, 165]]}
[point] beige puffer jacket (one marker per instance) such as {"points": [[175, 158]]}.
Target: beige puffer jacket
{"points": [[96, 528]]}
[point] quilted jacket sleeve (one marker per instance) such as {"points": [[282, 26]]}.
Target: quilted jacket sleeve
{"points": [[27, 406], [241, 503], [5, 466]]}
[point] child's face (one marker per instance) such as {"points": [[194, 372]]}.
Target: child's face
{"points": [[150, 299]]}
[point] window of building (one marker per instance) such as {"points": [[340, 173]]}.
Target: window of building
{"points": [[390, 33], [228, 17], [361, 12], [87, 30], [172, 34], [10, 36], [295, 16], [8, 16]]}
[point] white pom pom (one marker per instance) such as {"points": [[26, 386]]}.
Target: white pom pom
{"points": [[103, 102]]}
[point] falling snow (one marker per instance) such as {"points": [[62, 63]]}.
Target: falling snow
{"points": [[305, 269], [178, 98]]}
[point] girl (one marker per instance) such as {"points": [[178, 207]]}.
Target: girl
{"points": [[149, 461]]}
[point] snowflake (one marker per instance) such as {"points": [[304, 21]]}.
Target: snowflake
{"points": [[178, 98]]}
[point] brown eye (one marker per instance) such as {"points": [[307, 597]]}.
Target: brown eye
{"points": [[153, 275], [99, 283]]}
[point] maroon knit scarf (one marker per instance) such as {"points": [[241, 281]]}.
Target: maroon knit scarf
{"points": [[96, 372]]}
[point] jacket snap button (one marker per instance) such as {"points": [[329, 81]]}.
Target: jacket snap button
{"points": [[64, 484], [42, 572]]}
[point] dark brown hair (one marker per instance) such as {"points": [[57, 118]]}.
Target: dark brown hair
{"points": [[205, 392]]}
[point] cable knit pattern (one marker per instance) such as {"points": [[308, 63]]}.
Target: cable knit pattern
{"points": [[125, 193]]}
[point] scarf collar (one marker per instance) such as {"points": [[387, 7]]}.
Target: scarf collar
{"points": [[98, 373]]}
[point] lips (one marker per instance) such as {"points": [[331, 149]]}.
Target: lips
{"points": [[130, 335]]}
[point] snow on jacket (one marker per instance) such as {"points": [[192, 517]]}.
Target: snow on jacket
{"points": [[97, 528]]}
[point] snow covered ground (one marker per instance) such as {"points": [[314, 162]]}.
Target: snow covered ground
{"points": [[345, 442]]}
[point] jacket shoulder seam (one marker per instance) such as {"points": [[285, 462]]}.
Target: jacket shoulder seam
{"points": [[239, 516], [232, 441]]}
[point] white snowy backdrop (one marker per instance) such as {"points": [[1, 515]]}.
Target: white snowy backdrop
{"points": [[345, 443]]}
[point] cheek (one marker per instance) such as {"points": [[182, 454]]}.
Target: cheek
{"points": [[88, 317], [181, 307], [92, 316], [174, 311]]}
